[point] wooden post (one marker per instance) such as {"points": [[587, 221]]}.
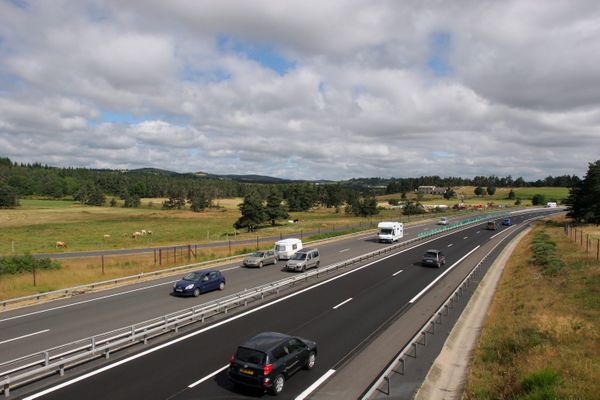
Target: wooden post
{"points": [[581, 238], [587, 242], [159, 256], [154, 256], [598, 250], [189, 252], [34, 281], [102, 256], [256, 242], [175, 254], [229, 241]]}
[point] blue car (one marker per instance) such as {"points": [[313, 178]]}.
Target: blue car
{"points": [[506, 222], [195, 283]]}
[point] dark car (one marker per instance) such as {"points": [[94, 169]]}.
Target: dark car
{"points": [[491, 225], [198, 282], [434, 257], [268, 359]]}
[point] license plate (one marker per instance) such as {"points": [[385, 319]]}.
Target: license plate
{"points": [[179, 290], [246, 371]]}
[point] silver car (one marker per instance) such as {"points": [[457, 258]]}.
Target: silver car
{"points": [[260, 258], [303, 260]]}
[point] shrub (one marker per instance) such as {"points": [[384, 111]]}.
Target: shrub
{"points": [[25, 263]]}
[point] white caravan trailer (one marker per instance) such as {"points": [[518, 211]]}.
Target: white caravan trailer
{"points": [[286, 248], [390, 231]]}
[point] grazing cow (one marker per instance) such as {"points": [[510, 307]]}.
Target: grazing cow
{"points": [[62, 245], [106, 236], [144, 232], [296, 221], [136, 234], [149, 232]]}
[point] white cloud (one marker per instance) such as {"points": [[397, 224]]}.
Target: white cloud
{"points": [[517, 91]]}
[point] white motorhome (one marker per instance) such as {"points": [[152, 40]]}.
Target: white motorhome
{"points": [[390, 231], [551, 204], [286, 248]]}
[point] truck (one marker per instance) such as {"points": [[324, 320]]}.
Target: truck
{"points": [[390, 231]]}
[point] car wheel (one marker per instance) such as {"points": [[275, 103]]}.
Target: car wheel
{"points": [[275, 261], [278, 383], [304, 268], [221, 285], [310, 362], [260, 264], [196, 292], [318, 263]]}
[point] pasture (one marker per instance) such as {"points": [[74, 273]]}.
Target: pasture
{"points": [[37, 225]]}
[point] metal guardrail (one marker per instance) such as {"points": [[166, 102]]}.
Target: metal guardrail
{"points": [[78, 289], [25, 369], [397, 365]]}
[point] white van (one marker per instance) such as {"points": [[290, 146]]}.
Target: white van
{"points": [[551, 204], [286, 248], [390, 231]]}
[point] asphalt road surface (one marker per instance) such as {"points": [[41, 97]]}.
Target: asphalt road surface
{"points": [[339, 313]]}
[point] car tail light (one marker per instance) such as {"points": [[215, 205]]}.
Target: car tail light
{"points": [[231, 360], [267, 369]]}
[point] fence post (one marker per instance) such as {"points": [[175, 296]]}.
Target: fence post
{"points": [[174, 254], [229, 241], [154, 256], [598, 250], [102, 256], [159, 256], [34, 281], [256, 242], [581, 238], [189, 252], [587, 242]]}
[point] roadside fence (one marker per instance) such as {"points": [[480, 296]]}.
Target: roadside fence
{"points": [[583, 240]]}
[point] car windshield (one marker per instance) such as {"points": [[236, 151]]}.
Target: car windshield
{"points": [[431, 254], [250, 356], [258, 254], [386, 231], [299, 256], [193, 276]]}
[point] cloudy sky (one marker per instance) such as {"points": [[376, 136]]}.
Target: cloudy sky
{"points": [[303, 89]]}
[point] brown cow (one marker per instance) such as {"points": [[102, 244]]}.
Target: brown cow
{"points": [[61, 245]]}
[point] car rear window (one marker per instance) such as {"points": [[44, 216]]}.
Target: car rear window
{"points": [[431, 254], [250, 356]]}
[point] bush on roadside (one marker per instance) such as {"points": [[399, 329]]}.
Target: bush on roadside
{"points": [[25, 263], [544, 254]]}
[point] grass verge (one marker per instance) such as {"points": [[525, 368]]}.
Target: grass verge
{"points": [[541, 338]]}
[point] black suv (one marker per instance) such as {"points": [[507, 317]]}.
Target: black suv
{"points": [[434, 257], [269, 358]]}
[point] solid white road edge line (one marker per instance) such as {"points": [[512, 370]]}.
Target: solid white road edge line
{"points": [[217, 324], [315, 385], [207, 377], [396, 273], [24, 336], [441, 276], [501, 232], [86, 301], [342, 303]]}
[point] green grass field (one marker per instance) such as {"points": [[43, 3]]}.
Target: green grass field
{"points": [[38, 224]]}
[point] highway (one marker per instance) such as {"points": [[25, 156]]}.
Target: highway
{"points": [[339, 313], [36, 328]]}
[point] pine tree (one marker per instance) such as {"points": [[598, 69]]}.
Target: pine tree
{"points": [[584, 197], [253, 213], [8, 196], [274, 209]]}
